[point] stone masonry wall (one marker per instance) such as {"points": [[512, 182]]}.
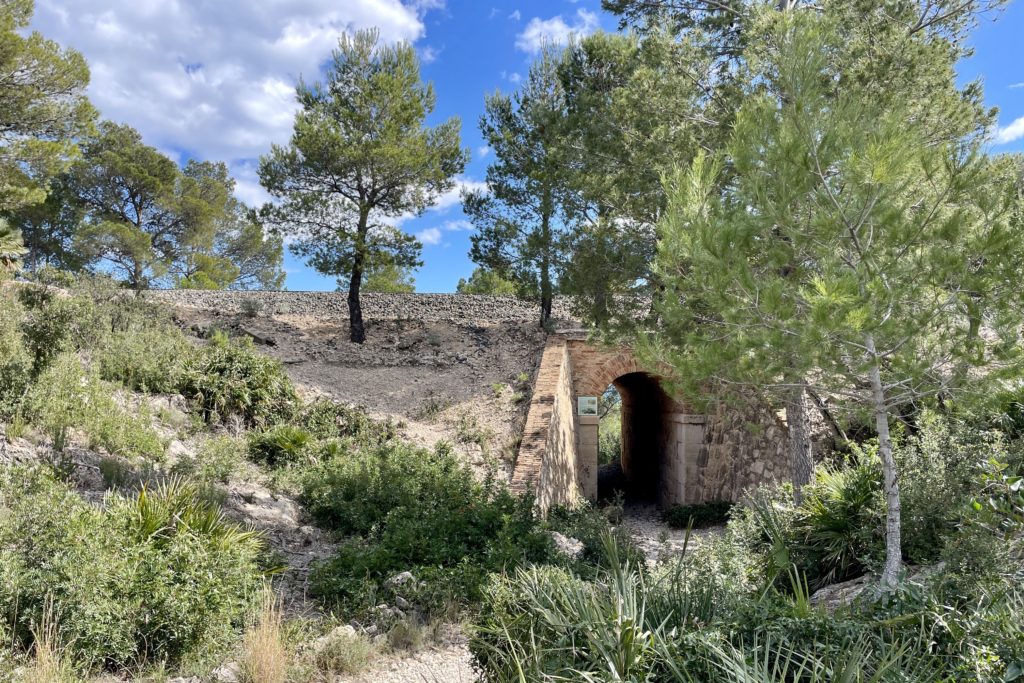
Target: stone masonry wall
{"points": [[559, 483], [743, 446], [534, 445], [463, 309]]}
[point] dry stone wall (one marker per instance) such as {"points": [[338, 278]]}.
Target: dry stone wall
{"points": [[455, 308]]}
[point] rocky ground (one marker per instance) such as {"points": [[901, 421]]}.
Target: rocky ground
{"points": [[467, 384]]}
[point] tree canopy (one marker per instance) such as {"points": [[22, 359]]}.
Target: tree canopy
{"points": [[43, 107], [850, 248], [360, 155]]}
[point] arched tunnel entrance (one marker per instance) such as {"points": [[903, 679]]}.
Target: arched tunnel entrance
{"points": [[642, 408]]}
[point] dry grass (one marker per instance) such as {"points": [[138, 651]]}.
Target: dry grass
{"points": [[265, 657], [48, 665], [344, 653]]}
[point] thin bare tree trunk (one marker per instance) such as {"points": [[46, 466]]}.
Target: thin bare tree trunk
{"points": [[890, 481]]}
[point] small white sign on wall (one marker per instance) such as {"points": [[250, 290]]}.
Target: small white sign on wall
{"points": [[587, 405]]}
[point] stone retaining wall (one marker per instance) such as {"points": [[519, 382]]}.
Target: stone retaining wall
{"points": [[462, 309]]}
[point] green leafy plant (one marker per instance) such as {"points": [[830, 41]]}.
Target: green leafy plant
{"points": [[230, 378], [161, 576], [280, 446], [68, 396]]}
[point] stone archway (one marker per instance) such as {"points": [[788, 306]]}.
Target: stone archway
{"points": [[671, 453], [645, 436]]}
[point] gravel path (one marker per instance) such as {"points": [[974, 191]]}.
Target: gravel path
{"points": [[658, 540], [449, 664]]}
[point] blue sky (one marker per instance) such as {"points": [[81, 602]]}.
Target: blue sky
{"points": [[214, 79]]}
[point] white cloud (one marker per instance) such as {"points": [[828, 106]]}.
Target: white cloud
{"points": [[207, 78], [429, 54], [1010, 133], [454, 195], [515, 16], [457, 225], [483, 151], [512, 77], [555, 31], [1017, 85], [429, 236]]}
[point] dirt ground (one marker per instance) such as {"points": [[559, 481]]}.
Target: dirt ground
{"points": [[468, 385]]}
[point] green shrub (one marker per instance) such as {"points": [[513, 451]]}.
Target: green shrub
{"points": [[937, 465], [406, 508], [280, 446], [159, 577], [839, 523], [148, 359], [15, 358], [218, 458], [68, 396], [700, 516], [326, 419], [230, 378], [60, 325]]}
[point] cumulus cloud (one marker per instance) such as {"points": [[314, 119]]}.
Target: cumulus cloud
{"points": [[207, 78], [483, 151], [1010, 133], [512, 77], [429, 54], [515, 16], [454, 196], [429, 236], [555, 31]]}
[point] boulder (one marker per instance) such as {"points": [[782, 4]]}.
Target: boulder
{"points": [[567, 545]]}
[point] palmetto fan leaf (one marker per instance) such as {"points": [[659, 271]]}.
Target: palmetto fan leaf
{"points": [[12, 248]]}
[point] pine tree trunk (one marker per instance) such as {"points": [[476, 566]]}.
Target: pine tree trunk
{"points": [[545, 265], [890, 482], [801, 455], [357, 332]]}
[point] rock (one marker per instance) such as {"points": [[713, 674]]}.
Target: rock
{"points": [[227, 673], [567, 546], [257, 337], [402, 603], [383, 611], [345, 631], [182, 679], [399, 580], [841, 594], [177, 450]]}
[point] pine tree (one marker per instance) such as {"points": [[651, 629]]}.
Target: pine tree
{"points": [[43, 107], [360, 154], [520, 219], [850, 249]]}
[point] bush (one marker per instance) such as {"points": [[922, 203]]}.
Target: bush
{"points": [[148, 359], [62, 324], [160, 577], [218, 458], [406, 508], [839, 524], [68, 396], [15, 359], [230, 378], [937, 467], [700, 516], [280, 446], [326, 419]]}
